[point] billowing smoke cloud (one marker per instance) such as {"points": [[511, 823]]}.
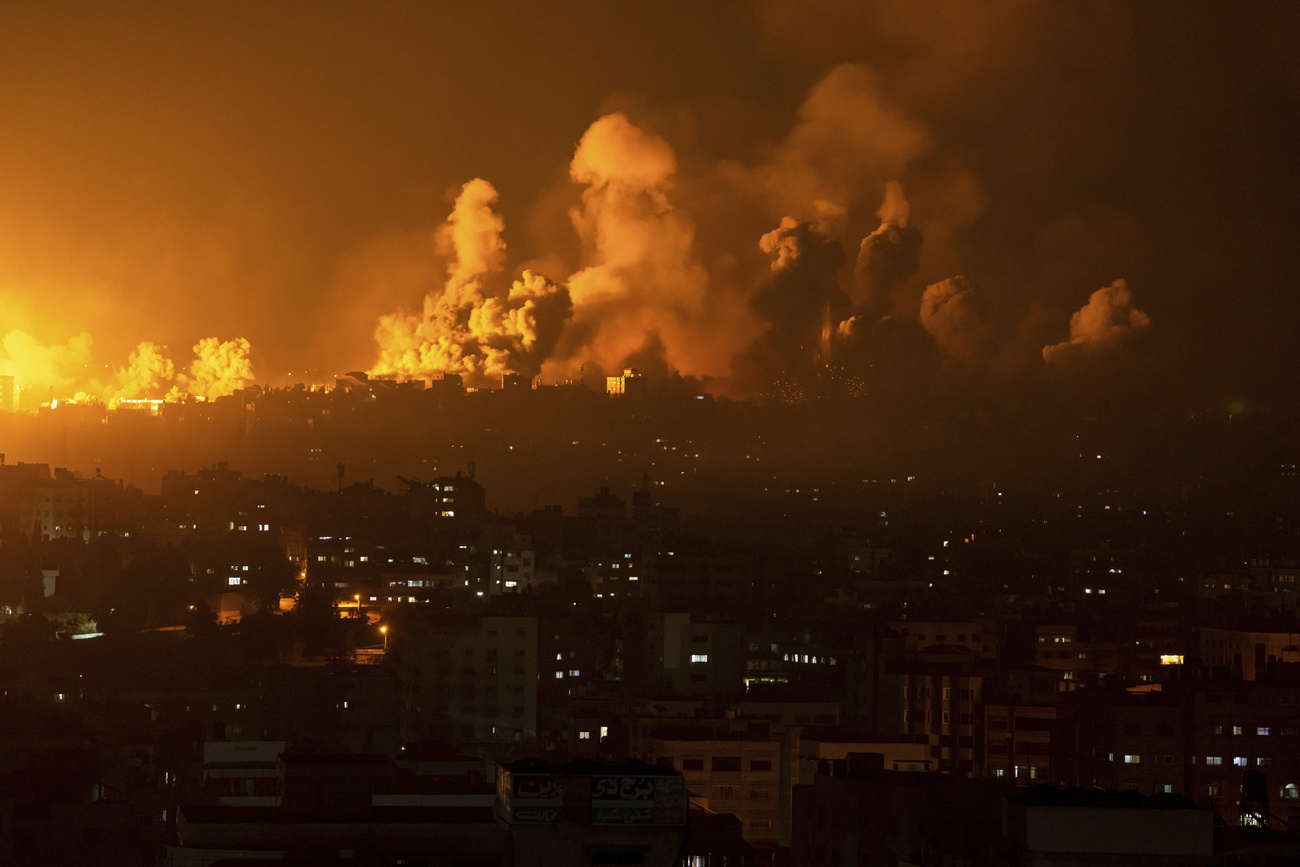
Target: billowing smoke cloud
{"points": [[847, 139], [641, 294], [641, 287], [39, 370], [148, 374], [888, 256], [468, 326], [1107, 318], [63, 371], [954, 314], [472, 235], [641, 276], [802, 306], [220, 368]]}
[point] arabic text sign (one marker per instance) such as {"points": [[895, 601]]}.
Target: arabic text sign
{"points": [[532, 798], [620, 789], [645, 800]]}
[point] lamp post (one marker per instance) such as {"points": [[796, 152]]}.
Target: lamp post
{"points": [[383, 630]]}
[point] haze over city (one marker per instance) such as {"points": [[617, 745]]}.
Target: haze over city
{"points": [[591, 433], [725, 194]]}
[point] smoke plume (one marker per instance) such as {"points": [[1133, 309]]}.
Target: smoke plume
{"points": [[954, 314], [61, 371], [469, 326], [148, 374], [801, 304], [1107, 318], [640, 275], [38, 369], [847, 139], [220, 368], [889, 255]]}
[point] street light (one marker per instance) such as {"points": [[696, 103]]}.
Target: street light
{"points": [[384, 631]]}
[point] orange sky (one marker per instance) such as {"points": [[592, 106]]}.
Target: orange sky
{"points": [[278, 172]]}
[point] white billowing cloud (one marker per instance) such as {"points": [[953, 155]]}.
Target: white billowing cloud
{"points": [[1107, 318]]}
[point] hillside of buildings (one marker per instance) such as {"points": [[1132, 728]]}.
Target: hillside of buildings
{"points": [[389, 621]]}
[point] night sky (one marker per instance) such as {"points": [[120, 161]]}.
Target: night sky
{"points": [[1102, 193]]}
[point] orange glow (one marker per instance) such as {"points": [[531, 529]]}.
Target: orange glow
{"points": [[51, 375]]}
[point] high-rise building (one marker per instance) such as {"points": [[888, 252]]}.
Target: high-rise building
{"points": [[470, 679], [630, 383]]}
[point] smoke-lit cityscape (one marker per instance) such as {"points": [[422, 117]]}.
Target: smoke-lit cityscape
{"points": [[799, 434]]}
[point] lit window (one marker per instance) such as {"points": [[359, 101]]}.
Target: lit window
{"points": [[584, 736], [1239, 761], [1236, 730], [1261, 730], [234, 580], [1132, 759], [699, 657]]}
